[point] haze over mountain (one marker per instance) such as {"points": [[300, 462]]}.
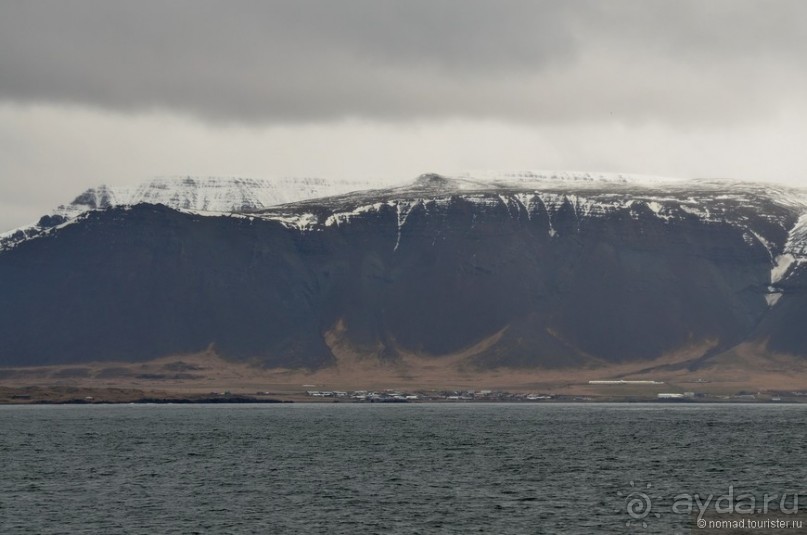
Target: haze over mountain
{"points": [[539, 270]]}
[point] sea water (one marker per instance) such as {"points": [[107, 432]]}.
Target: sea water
{"points": [[388, 469]]}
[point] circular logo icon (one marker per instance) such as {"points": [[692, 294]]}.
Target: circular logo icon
{"points": [[638, 505]]}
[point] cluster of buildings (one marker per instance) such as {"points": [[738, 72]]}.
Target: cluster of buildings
{"points": [[396, 396], [625, 382], [489, 395], [403, 397], [364, 395]]}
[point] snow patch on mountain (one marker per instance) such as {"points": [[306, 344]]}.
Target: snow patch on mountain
{"points": [[576, 179], [214, 194], [797, 241], [794, 255]]}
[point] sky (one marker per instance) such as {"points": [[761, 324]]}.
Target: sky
{"points": [[98, 92]]}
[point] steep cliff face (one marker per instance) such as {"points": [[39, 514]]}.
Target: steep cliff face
{"points": [[782, 329], [546, 272]]}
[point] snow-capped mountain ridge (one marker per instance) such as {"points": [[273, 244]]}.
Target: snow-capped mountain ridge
{"points": [[212, 194], [576, 178], [201, 195], [291, 201], [761, 210], [715, 201]]}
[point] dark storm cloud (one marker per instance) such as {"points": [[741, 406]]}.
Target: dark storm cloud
{"points": [[306, 60]]}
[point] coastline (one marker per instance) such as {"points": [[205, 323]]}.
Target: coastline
{"points": [[60, 395]]}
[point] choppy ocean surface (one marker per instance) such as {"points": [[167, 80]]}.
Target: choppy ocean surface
{"points": [[386, 469]]}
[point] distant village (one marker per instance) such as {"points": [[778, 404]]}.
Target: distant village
{"points": [[392, 396], [396, 396]]}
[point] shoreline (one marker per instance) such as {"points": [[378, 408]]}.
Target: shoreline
{"points": [[60, 395]]}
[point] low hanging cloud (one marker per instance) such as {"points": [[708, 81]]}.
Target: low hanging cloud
{"points": [[94, 91], [262, 62]]}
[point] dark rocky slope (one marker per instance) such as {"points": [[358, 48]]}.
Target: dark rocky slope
{"points": [[430, 269]]}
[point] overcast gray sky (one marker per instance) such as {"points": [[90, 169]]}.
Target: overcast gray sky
{"points": [[98, 92]]}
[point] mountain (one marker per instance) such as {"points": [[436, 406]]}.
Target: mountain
{"points": [[508, 269], [202, 195]]}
